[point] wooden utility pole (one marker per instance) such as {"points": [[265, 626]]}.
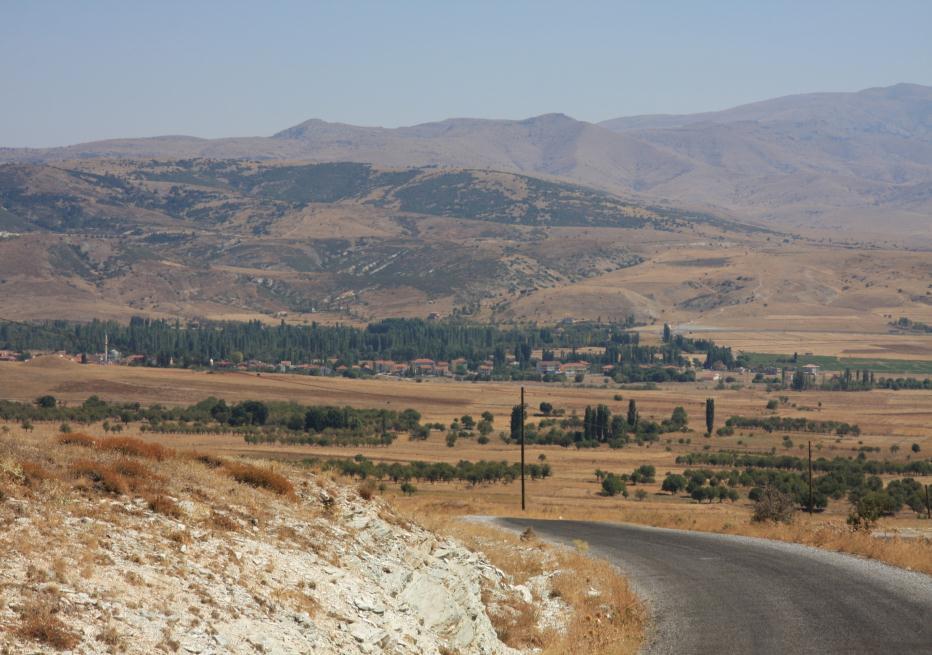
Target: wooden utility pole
{"points": [[810, 478], [928, 506], [522, 449]]}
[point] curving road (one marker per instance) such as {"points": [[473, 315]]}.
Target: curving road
{"points": [[711, 593]]}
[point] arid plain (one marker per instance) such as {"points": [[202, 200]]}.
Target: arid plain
{"points": [[886, 418]]}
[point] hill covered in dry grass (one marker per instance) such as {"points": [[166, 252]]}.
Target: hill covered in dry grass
{"points": [[234, 238]]}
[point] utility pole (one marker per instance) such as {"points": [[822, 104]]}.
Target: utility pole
{"points": [[810, 479], [928, 506], [106, 348], [522, 449]]}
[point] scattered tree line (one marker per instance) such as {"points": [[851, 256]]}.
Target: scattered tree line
{"points": [[709, 485], [258, 420], [475, 473], [904, 323], [597, 426], [788, 424], [614, 484], [864, 380], [847, 467]]}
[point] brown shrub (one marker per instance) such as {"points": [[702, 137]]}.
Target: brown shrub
{"points": [[165, 505], [33, 472], [223, 522], [259, 477], [132, 469], [103, 477], [136, 448], [515, 623], [109, 636], [39, 622], [208, 460], [77, 439], [774, 505], [366, 490]]}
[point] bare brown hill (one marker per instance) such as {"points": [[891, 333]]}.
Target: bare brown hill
{"points": [[234, 238], [240, 240]]}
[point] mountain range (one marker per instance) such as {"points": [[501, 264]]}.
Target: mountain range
{"points": [[859, 161]]}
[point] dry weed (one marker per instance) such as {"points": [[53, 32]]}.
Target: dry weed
{"points": [[133, 447], [208, 460], [39, 621], [104, 478], [165, 506], [607, 617], [261, 478], [366, 490], [77, 439]]}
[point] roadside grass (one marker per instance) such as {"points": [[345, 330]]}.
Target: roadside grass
{"points": [[607, 617]]}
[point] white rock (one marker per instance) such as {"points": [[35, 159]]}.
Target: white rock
{"points": [[364, 604], [365, 633]]}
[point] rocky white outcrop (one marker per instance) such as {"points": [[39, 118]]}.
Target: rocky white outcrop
{"points": [[327, 573]]}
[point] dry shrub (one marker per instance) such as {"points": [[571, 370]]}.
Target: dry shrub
{"points": [[136, 448], [223, 522], [165, 506], [103, 477], [609, 621], [208, 460], [108, 635], [77, 439], [182, 537], [297, 600], [366, 490], [515, 623], [260, 478], [132, 469], [34, 473], [774, 505], [40, 622]]}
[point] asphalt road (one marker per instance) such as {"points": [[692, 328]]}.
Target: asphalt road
{"points": [[719, 594]]}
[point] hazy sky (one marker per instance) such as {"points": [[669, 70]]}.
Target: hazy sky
{"points": [[77, 71]]}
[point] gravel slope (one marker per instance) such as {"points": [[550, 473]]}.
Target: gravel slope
{"points": [[711, 593]]}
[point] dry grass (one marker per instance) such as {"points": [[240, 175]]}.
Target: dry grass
{"points": [[39, 621], [35, 473], [607, 618], [208, 460], [165, 506], [223, 522], [298, 600], [132, 447], [77, 439], [261, 478], [516, 623], [366, 489], [103, 477]]}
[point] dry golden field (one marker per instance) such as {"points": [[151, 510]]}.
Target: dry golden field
{"points": [[886, 418]]}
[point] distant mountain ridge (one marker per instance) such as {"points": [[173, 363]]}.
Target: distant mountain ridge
{"points": [[824, 160], [891, 105]]}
